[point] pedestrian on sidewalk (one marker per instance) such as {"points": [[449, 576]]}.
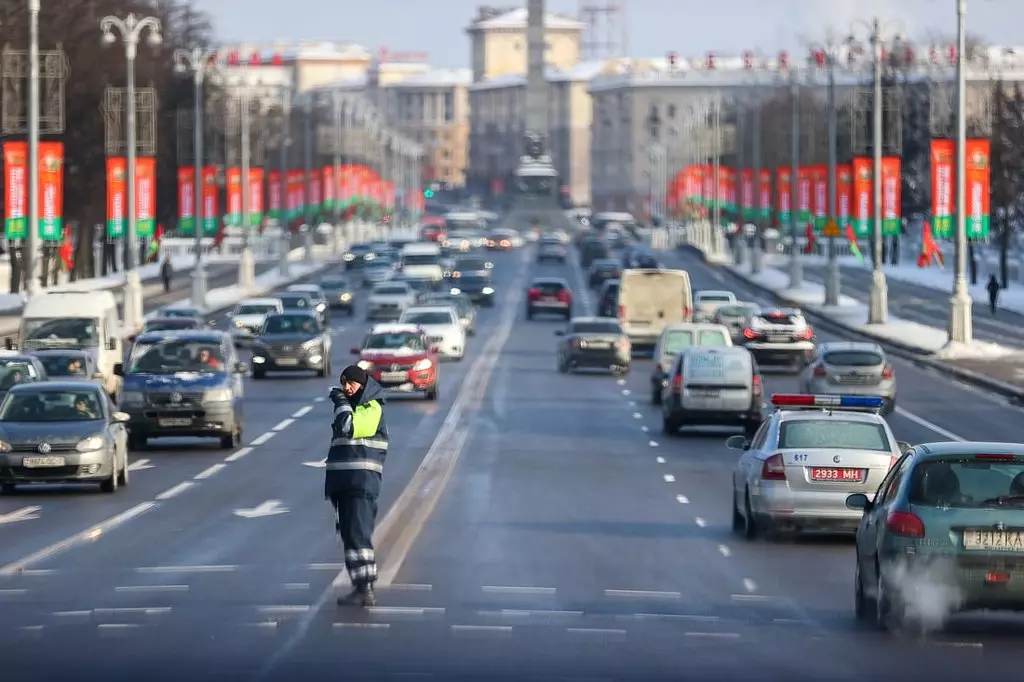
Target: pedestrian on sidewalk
{"points": [[355, 464], [993, 293], [166, 273]]}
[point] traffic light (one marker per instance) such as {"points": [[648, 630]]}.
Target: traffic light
{"points": [[428, 193]]}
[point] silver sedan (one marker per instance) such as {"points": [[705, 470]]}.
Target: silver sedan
{"points": [[851, 368]]}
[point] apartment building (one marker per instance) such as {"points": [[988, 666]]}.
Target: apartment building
{"points": [[498, 42]]}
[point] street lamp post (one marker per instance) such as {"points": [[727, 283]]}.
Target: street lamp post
{"points": [[337, 101], [31, 235], [284, 266], [832, 277], [796, 273], [307, 163], [195, 61], [130, 30], [878, 298], [960, 320]]}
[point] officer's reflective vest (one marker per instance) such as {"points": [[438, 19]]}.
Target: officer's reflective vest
{"points": [[359, 443]]}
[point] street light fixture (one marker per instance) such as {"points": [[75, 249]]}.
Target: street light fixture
{"points": [[131, 29]]}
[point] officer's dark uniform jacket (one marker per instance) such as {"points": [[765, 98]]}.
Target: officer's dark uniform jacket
{"points": [[359, 443]]}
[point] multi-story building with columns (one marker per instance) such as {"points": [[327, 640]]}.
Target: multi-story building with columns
{"points": [[497, 37]]}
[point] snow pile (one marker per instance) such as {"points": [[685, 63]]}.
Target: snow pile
{"points": [[976, 350]]}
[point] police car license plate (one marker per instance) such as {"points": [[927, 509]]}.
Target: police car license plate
{"points": [[42, 462], [393, 376], [175, 422], [838, 475]]}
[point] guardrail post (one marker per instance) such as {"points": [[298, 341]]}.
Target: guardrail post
{"points": [[284, 266]]}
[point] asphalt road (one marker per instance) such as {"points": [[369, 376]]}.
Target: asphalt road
{"points": [[925, 305], [570, 540]]}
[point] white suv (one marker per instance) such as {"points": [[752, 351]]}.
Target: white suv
{"points": [[442, 326]]}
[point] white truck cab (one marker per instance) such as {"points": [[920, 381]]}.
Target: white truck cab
{"points": [[87, 320], [422, 260]]}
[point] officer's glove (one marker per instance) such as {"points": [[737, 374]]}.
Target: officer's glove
{"points": [[336, 394]]}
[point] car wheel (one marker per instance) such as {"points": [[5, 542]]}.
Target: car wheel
{"points": [[749, 524], [258, 374], [8, 489], [232, 440], [110, 485], [655, 395], [431, 393], [323, 371], [669, 426], [737, 517], [137, 442], [124, 470], [887, 613], [863, 609]]}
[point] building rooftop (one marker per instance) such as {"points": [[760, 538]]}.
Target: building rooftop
{"points": [[492, 19], [583, 71], [437, 78], [305, 51]]}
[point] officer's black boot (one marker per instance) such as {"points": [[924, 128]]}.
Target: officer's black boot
{"points": [[361, 595]]}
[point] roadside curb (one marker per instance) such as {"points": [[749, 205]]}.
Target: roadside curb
{"points": [[918, 356]]}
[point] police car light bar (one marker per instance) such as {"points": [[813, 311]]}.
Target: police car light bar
{"points": [[842, 402]]}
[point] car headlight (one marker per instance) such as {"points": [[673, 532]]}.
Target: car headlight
{"points": [[364, 365], [455, 291], [423, 364], [345, 297], [349, 257], [131, 397], [370, 256], [311, 344], [321, 306], [456, 275], [90, 444], [217, 395], [488, 291], [239, 324], [4, 446]]}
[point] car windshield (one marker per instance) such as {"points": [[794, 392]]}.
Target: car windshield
{"points": [[470, 264], [64, 365], [298, 301], [968, 481], [397, 341], [15, 373], [175, 356], [677, 341], [427, 317], [827, 434], [255, 309], [181, 312], [473, 280], [168, 325], [65, 331], [289, 324], [418, 284], [420, 259], [736, 310], [854, 358], [392, 291], [606, 266], [595, 328], [714, 298], [334, 284], [52, 406]]}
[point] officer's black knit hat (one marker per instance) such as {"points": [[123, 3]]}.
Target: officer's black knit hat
{"points": [[354, 373]]}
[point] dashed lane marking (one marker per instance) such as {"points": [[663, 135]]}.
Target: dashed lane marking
{"points": [[13, 593], [407, 587], [260, 440], [637, 415], [724, 550], [669, 478], [482, 629], [88, 535], [597, 632], [644, 429], [517, 589], [642, 594], [284, 608], [360, 626], [701, 522], [187, 569], [530, 613], [749, 585], [719, 635], [283, 424], [653, 444], [210, 471], [174, 491], [408, 611], [151, 588], [302, 412], [668, 616], [238, 454], [319, 400], [659, 460], [682, 499]]}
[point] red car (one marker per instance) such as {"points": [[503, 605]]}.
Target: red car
{"points": [[433, 229], [399, 358]]}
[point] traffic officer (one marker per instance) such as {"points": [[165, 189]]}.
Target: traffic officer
{"points": [[355, 463]]}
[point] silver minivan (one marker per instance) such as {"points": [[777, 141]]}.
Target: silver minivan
{"points": [[713, 386], [674, 339]]}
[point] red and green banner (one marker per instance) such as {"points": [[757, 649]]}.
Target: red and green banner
{"points": [[255, 198], [275, 196], [117, 196], [233, 180], [51, 190], [784, 192], [211, 203], [330, 188], [187, 200]]}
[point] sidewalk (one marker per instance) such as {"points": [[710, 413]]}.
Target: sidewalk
{"points": [[992, 366]]}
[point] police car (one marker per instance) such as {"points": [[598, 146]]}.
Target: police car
{"points": [[807, 457]]}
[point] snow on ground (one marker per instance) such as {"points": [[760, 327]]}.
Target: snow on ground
{"points": [[854, 314]]}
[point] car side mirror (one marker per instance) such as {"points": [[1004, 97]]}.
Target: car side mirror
{"points": [[241, 368], [120, 417], [903, 446], [737, 442], [118, 369], [435, 349], [130, 338], [112, 343], [9, 344], [98, 375], [859, 501], [559, 332]]}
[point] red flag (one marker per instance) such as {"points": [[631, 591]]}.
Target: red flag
{"points": [[218, 238], [811, 241], [67, 252], [930, 250]]}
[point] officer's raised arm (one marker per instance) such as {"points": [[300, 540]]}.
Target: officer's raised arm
{"points": [[342, 412]]}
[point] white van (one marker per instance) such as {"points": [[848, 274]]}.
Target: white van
{"points": [[422, 260], [650, 300], [76, 319], [713, 386]]}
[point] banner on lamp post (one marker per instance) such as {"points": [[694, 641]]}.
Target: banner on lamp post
{"points": [[211, 207], [978, 179], [784, 192], [233, 180], [275, 195], [187, 200], [255, 198]]}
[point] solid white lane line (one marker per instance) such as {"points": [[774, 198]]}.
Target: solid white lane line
{"points": [[12, 593], [207, 473], [151, 588], [360, 626], [187, 569], [720, 635], [724, 551], [490, 629], [238, 454], [175, 490], [283, 424], [260, 440], [302, 412], [87, 535], [682, 499], [319, 400], [669, 478], [934, 428], [411, 587], [642, 594], [284, 608], [701, 522], [515, 589]]}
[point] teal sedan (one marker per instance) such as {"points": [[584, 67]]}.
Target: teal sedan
{"points": [[944, 534]]}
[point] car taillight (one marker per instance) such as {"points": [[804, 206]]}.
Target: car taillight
{"points": [[806, 334], [622, 312], [749, 333], [624, 344], [564, 296], [756, 384], [773, 469], [686, 313], [819, 371], [904, 524], [677, 384], [533, 293], [887, 371]]}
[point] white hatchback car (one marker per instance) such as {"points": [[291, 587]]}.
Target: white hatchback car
{"points": [[248, 316], [441, 323]]}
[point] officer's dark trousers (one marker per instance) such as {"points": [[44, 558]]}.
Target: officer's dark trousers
{"points": [[355, 515]]}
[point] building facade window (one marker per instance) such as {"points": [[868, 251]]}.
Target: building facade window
{"points": [[449, 107]]}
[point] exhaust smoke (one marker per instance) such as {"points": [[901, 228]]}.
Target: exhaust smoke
{"points": [[927, 591]]}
